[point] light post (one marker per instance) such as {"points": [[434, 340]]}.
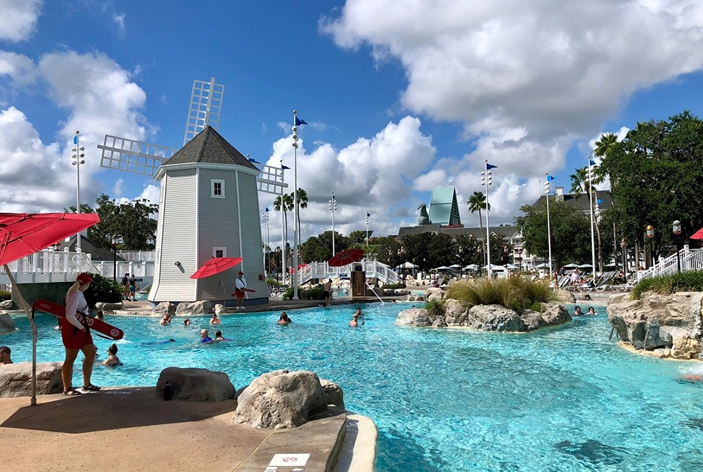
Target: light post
{"points": [[368, 220], [650, 235], [677, 231], [547, 191], [284, 241], [589, 177], [265, 219], [401, 257], [486, 180], [296, 122], [623, 246], [114, 259], [333, 208], [77, 161]]}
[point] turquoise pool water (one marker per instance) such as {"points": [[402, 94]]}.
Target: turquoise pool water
{"points": [[563, 399]]}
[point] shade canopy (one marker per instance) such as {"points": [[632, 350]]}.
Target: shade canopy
{"points": [[407, 265], [510, 266], [571, 266], [215, 266], [697, 235], [543, 265], [442, 268], [455, 266], [345, 257], [585, 266], [23, 234], [471, 267]]}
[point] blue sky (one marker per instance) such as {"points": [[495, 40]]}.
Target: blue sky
{"points": [[399, 96]]}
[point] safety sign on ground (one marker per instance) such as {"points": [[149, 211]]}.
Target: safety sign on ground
{"points": [[289, 460]]}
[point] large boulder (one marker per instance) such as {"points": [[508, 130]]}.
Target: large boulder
{"points": [[108, 308], [564, 296], [552, 314], [494, 318], [7, 324], [413, 317], [199, 385], [281, 399], [220, 309], [201, 307], [7, 305], [456, 312], [165, 308], [434, 293], [16, 379], [333, 392], [673, 323]]}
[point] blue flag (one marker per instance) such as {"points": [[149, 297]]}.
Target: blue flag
{"points": [[299, 122], [284, 167], [550, 178], [490, 166], [591, 162], [75, 140], [251, 159], [599, 201]]}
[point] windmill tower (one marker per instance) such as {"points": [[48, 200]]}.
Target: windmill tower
{"points": [[208, 204]]}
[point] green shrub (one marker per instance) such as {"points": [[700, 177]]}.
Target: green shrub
{"points": [[315, 293], [435, 308], [273, 283], [5, 295], [103, 290], [393, 286], [668, 284], [515, 293]]}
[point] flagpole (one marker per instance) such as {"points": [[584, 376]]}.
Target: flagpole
{"points": [[590, 207], [295, 208], [487, 181], [547, 188], [283, 233]]}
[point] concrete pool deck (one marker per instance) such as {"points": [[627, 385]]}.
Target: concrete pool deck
{"points": [[129, 428]]}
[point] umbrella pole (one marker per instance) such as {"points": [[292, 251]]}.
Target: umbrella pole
{"points": [[17, 295], [224, 292]]}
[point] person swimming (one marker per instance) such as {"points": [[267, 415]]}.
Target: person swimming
{"points": [[205, 337], [219, 337], [591, 311], [112, 359], [284, 320], [577, 311], [354, 323], [187, 322]]}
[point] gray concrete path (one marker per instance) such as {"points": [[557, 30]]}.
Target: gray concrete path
{"points": [[130, 429]]}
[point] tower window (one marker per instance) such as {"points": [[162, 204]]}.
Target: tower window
{"points": [[217, 188]]}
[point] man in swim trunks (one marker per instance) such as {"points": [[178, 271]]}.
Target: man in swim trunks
{"points": [[205, 337], [240, 287], [327, 289]]}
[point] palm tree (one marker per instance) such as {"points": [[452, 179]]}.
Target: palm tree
{"points": [[477, 202], [606, 141], [286, 207], [302, 203]]}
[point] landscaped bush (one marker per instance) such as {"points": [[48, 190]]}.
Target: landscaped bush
{"points": [[435, 307], [5, 295], [315, 293], [273, 283], [393, 286], [103, 290], [515, 293], [668, 284]]}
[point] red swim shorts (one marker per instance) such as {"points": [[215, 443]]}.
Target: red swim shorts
{"points": [[239, 293], [72, 337]]}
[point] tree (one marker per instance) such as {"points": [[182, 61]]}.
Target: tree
{"points": [[655, 174], [604, 144], [341, 242], [570, 241], [284, 203], [302, 203], [132, 224], [358, 237], [477, 202]]}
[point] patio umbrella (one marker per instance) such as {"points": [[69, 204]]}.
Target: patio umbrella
{"points": [[23, 234], [345, 257], [571, 266], [543, 265], [510, 266], [215, 266], [442, 268], [471, 267], [407, 265], [455, 266], [585, 266], [698, 234]]}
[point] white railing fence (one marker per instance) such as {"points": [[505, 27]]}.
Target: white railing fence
{"points": [[322, 270], [690, 259]]}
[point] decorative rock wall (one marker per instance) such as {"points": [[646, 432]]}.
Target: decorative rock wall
{"points": [[16, 379], [666, 325], [199, 385]]}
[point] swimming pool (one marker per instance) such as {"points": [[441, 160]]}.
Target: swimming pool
{"points": [[561, 399]]}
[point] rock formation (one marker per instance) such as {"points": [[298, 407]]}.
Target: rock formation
{"points": [[16, 379], [666, 325], [7, 324], [199, 385]]}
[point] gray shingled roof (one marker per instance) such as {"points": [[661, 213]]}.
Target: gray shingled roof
{"points": [[209, 147]]}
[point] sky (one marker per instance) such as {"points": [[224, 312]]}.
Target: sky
{"points": [[400, 96]]}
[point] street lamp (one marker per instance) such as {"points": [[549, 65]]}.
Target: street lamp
{"points": [[486, 180], [547, 191], [333, 208], [650, 235], [265, 219], [677, 231], [623, 246], [589, 176], [368, 220], [77, 161]]}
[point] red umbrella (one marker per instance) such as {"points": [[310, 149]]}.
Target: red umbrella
{"points": [[215, 266], [345, 257], [698, 234], [22, 234]]}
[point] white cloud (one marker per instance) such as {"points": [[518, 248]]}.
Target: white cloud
{"points": [[18, 67], [18, 19], [371, 174], [527, 79], [119, 20]]}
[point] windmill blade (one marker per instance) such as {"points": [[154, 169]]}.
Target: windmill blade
{"points": [[271, 180], [205, 106], [135, 157]]}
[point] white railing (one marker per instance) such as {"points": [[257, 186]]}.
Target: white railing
{"points": [[63, 266], [321, 270], [690, 259], [137, 256]]}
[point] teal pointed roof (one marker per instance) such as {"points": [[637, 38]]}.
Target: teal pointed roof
{"points": [[210, 147], [444, 209]]}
